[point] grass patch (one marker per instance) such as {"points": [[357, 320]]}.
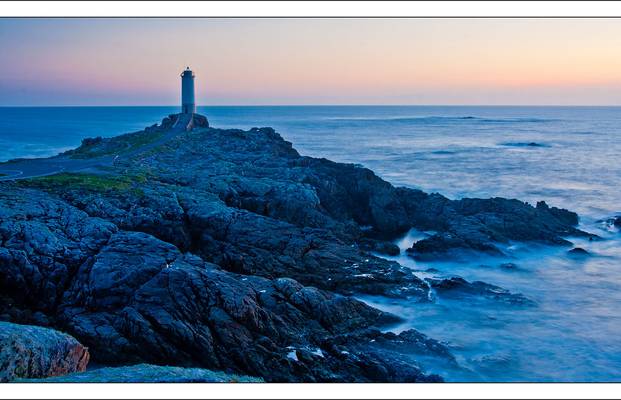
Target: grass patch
{"points": [[87, 182], [97, 147]]}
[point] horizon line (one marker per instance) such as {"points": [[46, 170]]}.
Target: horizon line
{"points": [[314, 105]]}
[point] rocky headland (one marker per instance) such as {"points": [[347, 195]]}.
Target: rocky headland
{"points": [[228, 250]]}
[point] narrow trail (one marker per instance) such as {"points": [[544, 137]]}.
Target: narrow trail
{"points": [[38, 167]]}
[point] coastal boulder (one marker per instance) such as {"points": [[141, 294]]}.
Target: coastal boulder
{"points": [[479, 225], [457, 287], [449, 245], [578, 252], [37, 352], [380, 247], [200, 121]]}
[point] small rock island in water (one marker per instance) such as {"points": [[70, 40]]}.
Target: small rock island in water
{"points": [[186, 253]]}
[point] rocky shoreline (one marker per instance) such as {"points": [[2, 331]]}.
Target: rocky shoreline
{"points": [[228, 250]]}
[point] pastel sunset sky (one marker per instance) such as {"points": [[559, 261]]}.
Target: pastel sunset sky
{"points": [[311, 61]]}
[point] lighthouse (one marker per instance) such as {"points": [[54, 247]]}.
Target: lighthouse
{"points": [[188, 105]]}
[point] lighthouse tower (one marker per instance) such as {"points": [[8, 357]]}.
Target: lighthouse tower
{"points": [[188, 105]]}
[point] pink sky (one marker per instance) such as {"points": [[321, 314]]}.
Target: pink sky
{"points": [[311, 61]]}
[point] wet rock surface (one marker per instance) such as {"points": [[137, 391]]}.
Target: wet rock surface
{"points": [[458, 288], [227, 250], [380, 247], [578, 252], [36, 352], [479, 226]]}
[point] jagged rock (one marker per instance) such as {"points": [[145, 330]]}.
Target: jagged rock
{"points": [[578, 252], [147, 373], [44, 241], [244, 242], [459, 287], [446, 245], [403, 350], [478, 225], [168, 122], [142, 301], [92, 141], [381, 247], [36, 352], [200, 121], [152, 128]]}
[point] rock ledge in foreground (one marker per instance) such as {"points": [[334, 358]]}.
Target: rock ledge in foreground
{"points": [[143, 373], [35, 352]]}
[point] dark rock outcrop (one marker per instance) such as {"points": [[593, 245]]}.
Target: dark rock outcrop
{"points": [[380, 247], [447, 245], [44, 242], [245, 242], [578, 252], [36, 352], [478, 225], [92, 141], [142, 301], [199, 121], [459, 287], [133, 298]]}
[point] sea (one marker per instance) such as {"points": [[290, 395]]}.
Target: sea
{"points": [[567, 156]]}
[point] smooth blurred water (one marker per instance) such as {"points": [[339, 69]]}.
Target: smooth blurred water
{"points": [[567, 156]]}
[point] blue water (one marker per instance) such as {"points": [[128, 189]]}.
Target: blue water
{"points": [[567, 156]]}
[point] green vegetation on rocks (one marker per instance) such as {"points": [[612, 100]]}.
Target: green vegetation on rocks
{"points": [[80, 180], [97, 147], [87, 182]]}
